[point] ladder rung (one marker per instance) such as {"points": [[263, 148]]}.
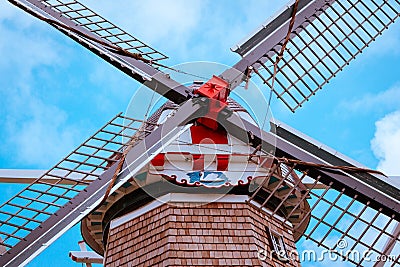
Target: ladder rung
{"points": [[130, 41], [20, 216], [125, 126], [29, 208], [104, 29], [6, 245], [92, 22], [108, 141], [114, 35], [137, 47], [102, 148], [10, 235], [94, 156], [65, 4], [77, 171], [116, 134], [40, 201], [48, 193], [149, 53], [84, 16], [74, 10], [85, 163], [65, 178], [16, 226], [58, 185], [136, 120]]}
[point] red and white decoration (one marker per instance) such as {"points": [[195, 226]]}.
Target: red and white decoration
{"points": [[202, 156]]}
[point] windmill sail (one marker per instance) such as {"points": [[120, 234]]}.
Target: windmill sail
{"points": [[87, 21], [26, 211], [338, 220], [345, 219], [39, 214], [108, 41], [351, 214], [326, 36]]}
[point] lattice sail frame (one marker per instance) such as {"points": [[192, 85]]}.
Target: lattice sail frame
{"points": [[326, 37], [111, 43], [337, 221], [104, 29], [24, 213]]}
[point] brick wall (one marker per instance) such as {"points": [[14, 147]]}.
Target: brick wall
{"points": [[215, 234]]}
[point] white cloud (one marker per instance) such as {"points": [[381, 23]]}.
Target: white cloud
{"points": [[387, 44], [386, 143], [35, 131], [24, 45], [38, 133], [9, 12], [167, 22], [381, 101]]}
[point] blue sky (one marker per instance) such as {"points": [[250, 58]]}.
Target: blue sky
{"points": [[54, 93]]}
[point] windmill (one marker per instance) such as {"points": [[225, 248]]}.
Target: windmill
{"points": [[309, 189]]}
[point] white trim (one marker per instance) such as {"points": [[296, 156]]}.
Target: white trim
{"points": [[188, 198], [136, 213], [86, 257]]}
